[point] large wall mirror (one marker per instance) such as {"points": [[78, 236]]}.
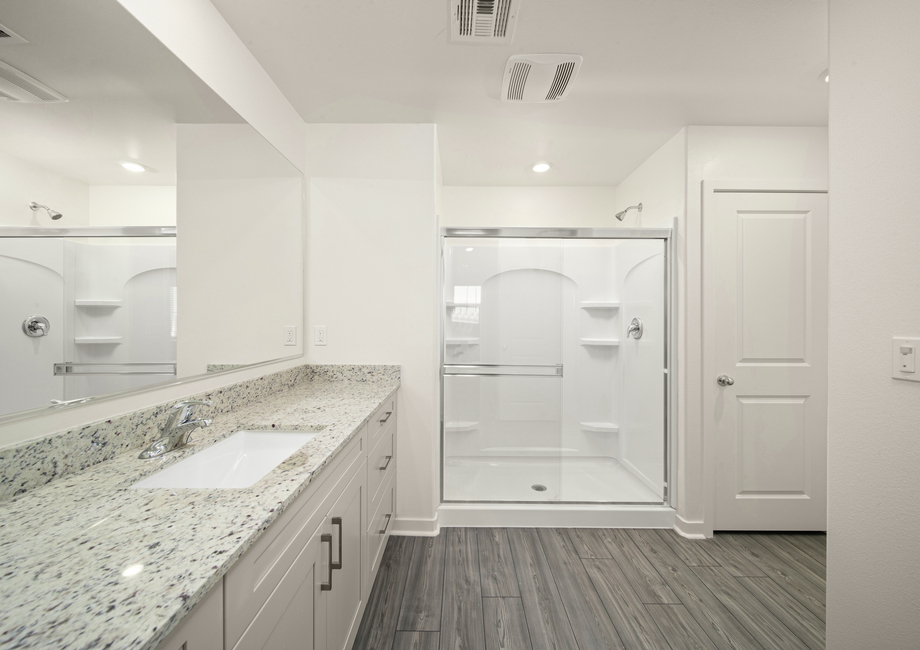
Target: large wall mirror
{"points": [[147, 232]]}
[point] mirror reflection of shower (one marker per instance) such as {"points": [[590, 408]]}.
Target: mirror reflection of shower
{"points": [[54, 214]]}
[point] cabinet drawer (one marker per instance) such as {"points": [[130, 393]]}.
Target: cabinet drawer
{"points": [[381, 463], [378, 531], [383, 417], [254, 577]]}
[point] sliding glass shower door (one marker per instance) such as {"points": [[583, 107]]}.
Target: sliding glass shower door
{"points": [[545, 399]]}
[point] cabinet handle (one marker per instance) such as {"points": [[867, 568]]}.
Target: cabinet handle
{"points": [[384, 531], [336, 521], [386, 464], [389, 413], [327, 537]]}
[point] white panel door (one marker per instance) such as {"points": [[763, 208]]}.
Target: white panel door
{"points": [[765, 322]]}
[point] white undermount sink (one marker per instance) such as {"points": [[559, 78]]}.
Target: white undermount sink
{"points": [[235, 462]]}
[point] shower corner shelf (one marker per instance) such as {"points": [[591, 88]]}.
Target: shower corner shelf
{"points": [[461, 426], [600, 427], [600, 304], [604, 343], [461, 341], [97, 303], [97, 340]]}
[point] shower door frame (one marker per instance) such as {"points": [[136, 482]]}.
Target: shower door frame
{"points": [[669, 373]]}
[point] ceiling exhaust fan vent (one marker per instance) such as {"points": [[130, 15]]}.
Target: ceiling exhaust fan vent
{"points": [[17, 86], [539, 78], [8, 37], [483, 21]]}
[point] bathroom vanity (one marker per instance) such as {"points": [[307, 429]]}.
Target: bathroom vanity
{"points": [[288, 561]]}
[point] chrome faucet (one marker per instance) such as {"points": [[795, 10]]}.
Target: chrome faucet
{"points": [[177, 430]]}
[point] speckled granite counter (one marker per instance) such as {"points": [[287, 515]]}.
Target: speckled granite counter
{"points": [[64, 546]]}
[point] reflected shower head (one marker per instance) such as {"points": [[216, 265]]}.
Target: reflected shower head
{"points": [[54, 214], [620, 215]]}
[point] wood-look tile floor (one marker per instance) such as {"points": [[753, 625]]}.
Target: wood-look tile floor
{"points": [[587, 589]]}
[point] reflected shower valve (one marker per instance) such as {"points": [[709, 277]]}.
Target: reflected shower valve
{"points": [[635, 329]]}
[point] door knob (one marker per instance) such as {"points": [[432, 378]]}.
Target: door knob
{"points": [[724, 380]]}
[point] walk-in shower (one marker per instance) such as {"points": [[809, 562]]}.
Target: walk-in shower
{"points": [[555, 349]]}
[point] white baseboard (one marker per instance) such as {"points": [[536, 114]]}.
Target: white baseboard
{"points": [[416, 527], [562, 516], [691, 529]]}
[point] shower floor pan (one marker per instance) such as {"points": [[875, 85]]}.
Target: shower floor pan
{"points": [[567, 480]]}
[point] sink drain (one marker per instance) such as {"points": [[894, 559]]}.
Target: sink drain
{"points": [[538, 487]]}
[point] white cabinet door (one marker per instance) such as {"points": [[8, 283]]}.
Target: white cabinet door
{"points": [[202, 628], [294, 616], [344, 602], [765, 323]]}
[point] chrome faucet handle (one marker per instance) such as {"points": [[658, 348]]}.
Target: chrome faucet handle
{"points": [[186, 413]]}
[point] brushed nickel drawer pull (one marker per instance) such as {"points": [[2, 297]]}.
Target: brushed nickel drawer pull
{"points": [[384, 531], [337, 521], [383, 420], [386, 464], [327, 537]]}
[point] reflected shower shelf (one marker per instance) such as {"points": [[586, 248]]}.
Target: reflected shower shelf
{"points": [[458, 427], [461, 304], [461, 341], [97, 303], [599, 304], [97, 340], [600, 427], [607, 343]]}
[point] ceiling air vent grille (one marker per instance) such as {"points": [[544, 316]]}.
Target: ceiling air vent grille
{"points": [[17, 86], [483, 21], [518, 80], [539, 78], [8, 37]]}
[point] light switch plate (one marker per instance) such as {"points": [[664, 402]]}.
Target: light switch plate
{"points": [[904, 353], [319, 335]]}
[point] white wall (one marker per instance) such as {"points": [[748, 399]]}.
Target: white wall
{"points": [[132, 205], [873, 571], [550, 207], [22, 182], [373, 279]]}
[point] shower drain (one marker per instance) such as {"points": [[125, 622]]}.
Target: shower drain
{"points": [[538, 487]]}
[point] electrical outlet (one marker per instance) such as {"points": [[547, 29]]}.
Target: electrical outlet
{"points": [[319, 335], [290, 335]]}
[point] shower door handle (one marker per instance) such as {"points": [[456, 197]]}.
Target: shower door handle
{"points": [[502, 370]]}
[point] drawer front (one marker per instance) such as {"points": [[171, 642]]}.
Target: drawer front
{"points": [[378, 531], [383, 417], [255, 576], [381, 464]]}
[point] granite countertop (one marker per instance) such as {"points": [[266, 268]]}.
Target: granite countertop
{"points": [[64, 546]]}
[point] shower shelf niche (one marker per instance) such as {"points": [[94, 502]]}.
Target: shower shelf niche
{"points": [[600, 427], [461, 341], [97, 303], [599, 304], [97, 340], [459, 427], [606, 343]]}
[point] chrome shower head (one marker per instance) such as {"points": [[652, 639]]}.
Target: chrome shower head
{"points": [[54, 214], [621, 215]]}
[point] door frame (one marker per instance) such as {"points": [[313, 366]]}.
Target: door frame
{"points": [[669, 237], [709, 390]]}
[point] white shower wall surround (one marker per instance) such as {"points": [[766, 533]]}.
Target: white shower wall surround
{"points": [[545, 399]]}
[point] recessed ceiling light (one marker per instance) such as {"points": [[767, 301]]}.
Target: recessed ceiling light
{"points": [[541, 167], [134, 167]]}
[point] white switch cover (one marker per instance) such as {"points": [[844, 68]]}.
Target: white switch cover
{"points": [[904, 354], [290, 335], [319, 335]]}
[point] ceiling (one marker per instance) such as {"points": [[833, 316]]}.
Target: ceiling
{"points": [[126, 93], [650, 68]]}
